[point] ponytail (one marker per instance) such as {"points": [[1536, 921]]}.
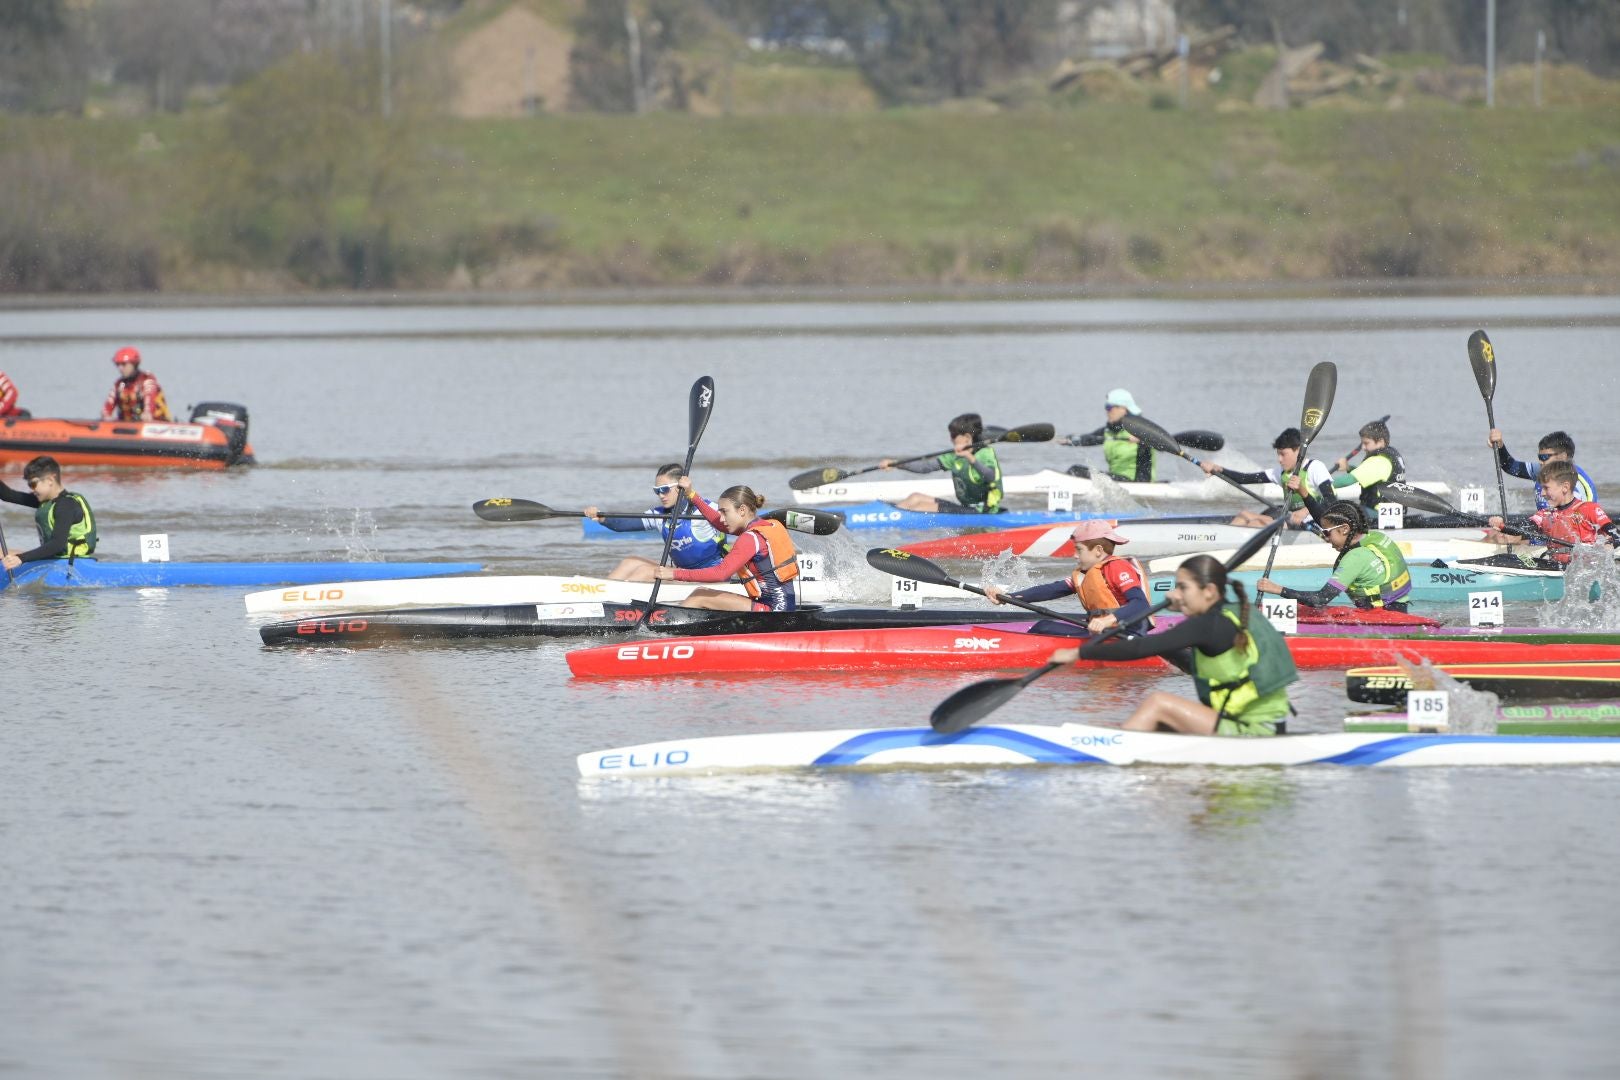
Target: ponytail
{"points": [[1242, 639], [741, 495]]}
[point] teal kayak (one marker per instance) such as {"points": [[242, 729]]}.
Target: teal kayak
{"points": [[91, 574]]}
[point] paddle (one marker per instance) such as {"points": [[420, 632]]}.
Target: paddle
{"points": [[972, 703], [1208, 441], [1482, 358], [1429, 502], [1357, 448], [699, 406], [906, 565], [1160, 439], [1029, 433], [799, 519], [1319, 390], [5, 553]]}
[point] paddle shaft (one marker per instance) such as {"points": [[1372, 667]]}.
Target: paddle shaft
{"points": [[1382, 420], [817, 477], [1496, 460], [1319, 392], [5, 553]]}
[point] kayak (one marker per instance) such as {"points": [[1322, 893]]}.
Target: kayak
{"points": [[979, 646], [1510, 682], [882, 515], [1082, 744], [1205, 490], [1147, 540], [1573, 718], [90, 574], [1447, 582], [591, 619], [215, 438], [1445, 545], [962, 647], [498, 589]]}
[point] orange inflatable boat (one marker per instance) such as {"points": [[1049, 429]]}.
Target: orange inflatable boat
{"points": [[215, 438]]}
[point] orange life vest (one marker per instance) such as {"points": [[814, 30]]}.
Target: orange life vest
{"points": [[1093, 588], [777, 564]]}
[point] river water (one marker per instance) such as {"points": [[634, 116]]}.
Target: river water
{"points": [[219, 860]]}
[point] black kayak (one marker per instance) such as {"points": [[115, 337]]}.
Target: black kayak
{"points": [[600, 620]]}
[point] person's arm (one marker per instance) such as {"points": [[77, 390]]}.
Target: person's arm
{"points": [[1351, 566], [710, 514], [110, 410], [8, 396], [1320, 598], [1512, 467], [1136, 605], [746, 547], [1211, 632], [1262, 477], [21, 498], [1040, 594], [1090, 438], [68, 515]]}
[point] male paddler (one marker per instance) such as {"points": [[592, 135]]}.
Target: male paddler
{"points": [[67, 528], [975, 472], [1289, 466], [1370, 568], [1380, 464], [1110, 586]]}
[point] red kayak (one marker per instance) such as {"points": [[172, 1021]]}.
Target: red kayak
{"points": [[989, 648], [216, 438], [957, 648]]}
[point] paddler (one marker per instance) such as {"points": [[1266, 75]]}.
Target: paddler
{"points": [[1110, 586], [8, 398], [136, 395], [695, 545], [1240, 663], [1554, 446], [1380, 464], [974, 469], [67, 527], [762, 556], [1287, 446], [1128, 458], [1570, 518], [1370, 568]]}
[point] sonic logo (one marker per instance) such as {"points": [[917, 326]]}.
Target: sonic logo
{"points": [[976, 643], [583, 587]]}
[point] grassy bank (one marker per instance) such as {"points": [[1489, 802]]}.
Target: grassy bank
{"points": [[1094, 195]]}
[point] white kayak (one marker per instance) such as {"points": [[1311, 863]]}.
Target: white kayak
{"points": [[1207, 490], [1083, 744], [491, 589], [1445, 544]]}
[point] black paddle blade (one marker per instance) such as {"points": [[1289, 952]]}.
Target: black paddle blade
{"points": [[512, 510], [814, 478], [1152, 434], [1416, 498], [1208, 441], [1482, 358], [973, 703], [814, 522], [702, 404], [903, 564], [1319, 390], [1028, 433]]}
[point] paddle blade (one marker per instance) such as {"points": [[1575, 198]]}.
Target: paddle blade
{"points": [[1416, 498], [1319, 390], [1208, 441], [814, 522], [702, 404], [814, 478], [973, 703], [513, 510], [1152, 434], [1028, 433], [1482, 358], [903, 564]]}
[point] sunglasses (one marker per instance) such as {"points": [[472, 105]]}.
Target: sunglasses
{"points": [[663, 489], [1546, 457], [1331, 528], [32, 484]]}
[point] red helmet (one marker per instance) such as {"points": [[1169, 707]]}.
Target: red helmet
{"points": [[127, 355]]}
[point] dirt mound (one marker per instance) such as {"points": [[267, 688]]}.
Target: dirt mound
{"points": [[513, 65]]}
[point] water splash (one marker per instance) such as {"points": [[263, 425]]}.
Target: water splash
{"points": [[357, 533], [1591, 599], [1472, 712]]}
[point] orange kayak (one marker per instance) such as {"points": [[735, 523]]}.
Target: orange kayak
{"points": [[216, 438]]}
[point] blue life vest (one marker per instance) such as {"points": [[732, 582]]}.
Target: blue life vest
{"points": [[697, 544]]}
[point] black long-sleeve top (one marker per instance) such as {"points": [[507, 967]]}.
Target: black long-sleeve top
{"points": [[68, 515]]}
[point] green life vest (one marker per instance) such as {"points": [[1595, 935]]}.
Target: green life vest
{"points": [[81, 537], [1247, 684], [1120, 451], [1291, 498], [1396, 578], [972, 490], [1397, 475]]}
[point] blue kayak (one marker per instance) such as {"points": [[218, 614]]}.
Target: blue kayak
{"points": [[1450, 583], [882, 515], [90, 574]]}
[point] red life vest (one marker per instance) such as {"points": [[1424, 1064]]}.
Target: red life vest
{"points": [[1579, 523], [141, 398], [776, 563]]}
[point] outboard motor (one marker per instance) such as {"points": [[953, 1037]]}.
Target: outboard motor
{"points": [[230, 418]]}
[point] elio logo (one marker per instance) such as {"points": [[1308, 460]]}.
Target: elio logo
{"points": [[635, 653]]}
